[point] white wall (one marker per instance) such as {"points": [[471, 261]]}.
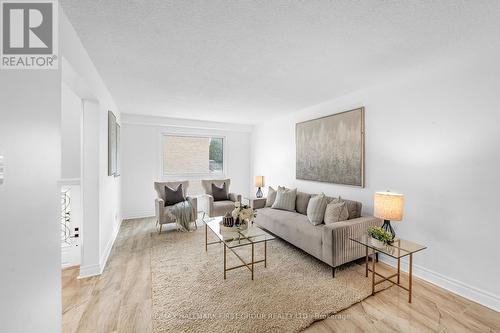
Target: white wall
{"points": [[80, 74], [70, 134], [141, 157], [433, 135], [90, 261], [30, 247]]}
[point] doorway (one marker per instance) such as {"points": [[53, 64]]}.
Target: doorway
{"points": [[70, 185]]}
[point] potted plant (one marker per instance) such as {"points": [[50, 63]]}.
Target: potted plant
{"points": [[379, 236]]}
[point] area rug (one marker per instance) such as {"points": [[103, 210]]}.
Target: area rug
{"points": [[189, 293]]}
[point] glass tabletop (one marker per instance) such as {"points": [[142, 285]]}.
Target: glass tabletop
{"points": [[399, 248], [253, 234]]}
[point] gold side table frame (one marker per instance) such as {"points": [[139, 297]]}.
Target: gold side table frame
{"points": [[388, 278], [399, 249]]}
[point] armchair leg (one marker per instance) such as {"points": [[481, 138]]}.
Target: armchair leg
{"points": [[195, 225], [161, 225], [203, 217]]}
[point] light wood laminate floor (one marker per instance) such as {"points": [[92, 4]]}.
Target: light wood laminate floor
{"points": [[120, 299]]}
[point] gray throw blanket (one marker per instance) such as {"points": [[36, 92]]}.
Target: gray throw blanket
{"points": [[184, 215]]}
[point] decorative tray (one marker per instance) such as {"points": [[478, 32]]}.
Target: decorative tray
{"points": [[242, 227]]}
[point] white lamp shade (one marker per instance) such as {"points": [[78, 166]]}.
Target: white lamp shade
{"points": [[388, 206], [259, 181]]}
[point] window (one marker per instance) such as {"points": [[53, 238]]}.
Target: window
{"points": [[192, 155]]}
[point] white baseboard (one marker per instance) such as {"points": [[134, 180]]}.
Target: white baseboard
{"points": [[109, 246], [138, 214], [97, 269], [88, 271], [470, 292]]}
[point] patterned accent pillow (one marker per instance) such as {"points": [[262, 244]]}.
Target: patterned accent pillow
{"points": [[173, 196], [285, 199], [316, 209], [336, 211]]}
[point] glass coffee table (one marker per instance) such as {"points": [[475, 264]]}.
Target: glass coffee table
{"points": [[252, 236], [398, 249]]}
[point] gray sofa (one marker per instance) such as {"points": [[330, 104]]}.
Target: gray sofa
{"points": [[329, 243]]}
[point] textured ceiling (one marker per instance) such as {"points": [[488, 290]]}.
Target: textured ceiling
{"points": [[241, 61]]}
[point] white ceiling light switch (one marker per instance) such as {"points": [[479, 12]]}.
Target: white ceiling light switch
{"points": [[2, 169]]}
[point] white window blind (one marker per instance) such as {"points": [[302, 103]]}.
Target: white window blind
{"points": [[192, 155]]}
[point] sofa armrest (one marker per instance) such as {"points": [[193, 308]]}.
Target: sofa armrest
{"points": [[206, 202], [234, 197], [159, 208], [337, 246], [257, 203], [194, 203]]}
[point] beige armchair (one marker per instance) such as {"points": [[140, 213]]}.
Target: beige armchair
{"points": [[217, 208], [163, 214]]}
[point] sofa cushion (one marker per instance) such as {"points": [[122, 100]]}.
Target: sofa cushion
{"points": [[336, 211], [220, 208], [285, 199], [293, 227], [301, 202], [168, 215]]}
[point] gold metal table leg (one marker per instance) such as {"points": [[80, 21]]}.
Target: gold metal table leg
{"points": [[373, 274], [224, 261], [410, 277], [265, 253], [366, 262], [399, 268], [252, 259]]}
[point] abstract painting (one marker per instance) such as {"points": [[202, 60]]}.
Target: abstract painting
{"points": [[331, 149]]}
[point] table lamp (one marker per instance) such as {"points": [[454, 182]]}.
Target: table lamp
{"points": [[389, 207], [259, 182]]}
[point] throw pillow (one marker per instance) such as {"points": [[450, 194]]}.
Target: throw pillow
{"points": [[219, 193], [302, 202], [285, 199], [336, 211], [271, 196], [172, 196], [316, 209], [353, 207]]}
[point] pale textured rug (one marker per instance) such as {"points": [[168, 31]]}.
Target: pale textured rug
{"points": [[189, 292]]}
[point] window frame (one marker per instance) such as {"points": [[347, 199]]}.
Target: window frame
{"points": [[194, 175]]}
